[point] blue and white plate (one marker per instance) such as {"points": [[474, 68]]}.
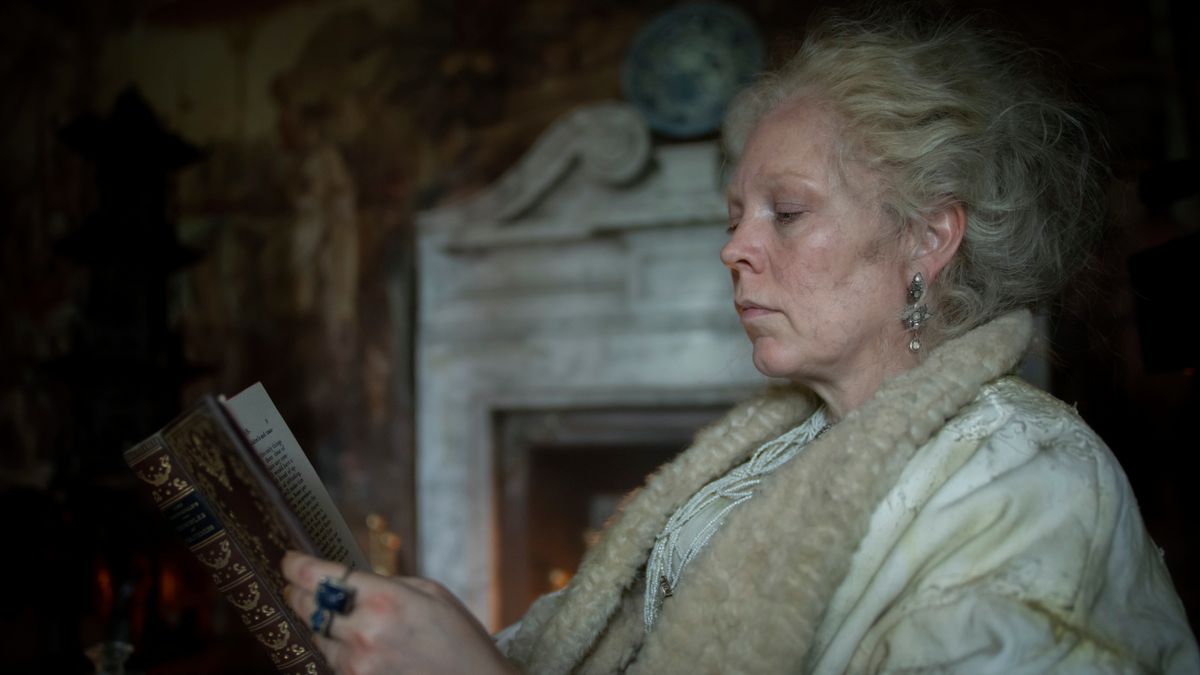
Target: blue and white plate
{"points": [[685, 65]]}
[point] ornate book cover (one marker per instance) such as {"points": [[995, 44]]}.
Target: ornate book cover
{"points": [[203, 474]]}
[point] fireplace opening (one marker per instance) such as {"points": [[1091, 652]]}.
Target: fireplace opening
{"points": [[560, 475]]}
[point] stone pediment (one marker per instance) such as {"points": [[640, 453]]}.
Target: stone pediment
{"points": [[594, 170]]}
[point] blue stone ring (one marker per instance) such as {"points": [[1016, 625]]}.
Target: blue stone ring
{"points": [[320, 621], [335, 595]]}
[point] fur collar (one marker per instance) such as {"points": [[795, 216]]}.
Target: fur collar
{"points": [[776, 562]]}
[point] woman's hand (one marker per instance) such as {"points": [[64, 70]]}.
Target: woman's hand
{"points": [[396, 625]]}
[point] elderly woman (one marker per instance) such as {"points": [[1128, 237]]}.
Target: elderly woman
{"points": [[903, 194]]}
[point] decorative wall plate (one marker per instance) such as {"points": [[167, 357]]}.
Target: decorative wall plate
{"points": [[685, 65]]}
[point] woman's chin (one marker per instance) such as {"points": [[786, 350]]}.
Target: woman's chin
{"points": [[771, 365]]}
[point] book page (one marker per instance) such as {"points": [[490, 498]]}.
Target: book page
{"points": [[295, 476]]}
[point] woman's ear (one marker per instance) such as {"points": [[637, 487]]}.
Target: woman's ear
{"points": [[938, 238]]}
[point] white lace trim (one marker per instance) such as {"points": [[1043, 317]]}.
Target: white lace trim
{"points": [[694, 523]]}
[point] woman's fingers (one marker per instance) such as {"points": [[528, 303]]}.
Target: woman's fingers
{"points": [[304, 573], [333, 650], [305, 603], [395, 625]]}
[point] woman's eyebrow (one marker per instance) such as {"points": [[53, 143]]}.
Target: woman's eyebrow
{"points": [[775, 179]]}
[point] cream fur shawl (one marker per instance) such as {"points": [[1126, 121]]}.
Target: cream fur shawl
{"points": [[753, 601]]}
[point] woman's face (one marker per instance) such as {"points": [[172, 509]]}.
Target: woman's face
{"points": [[819, 282]]}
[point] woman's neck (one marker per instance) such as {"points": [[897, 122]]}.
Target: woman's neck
{"points": [[845, 394]]}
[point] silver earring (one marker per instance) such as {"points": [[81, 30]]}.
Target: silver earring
{"points": [[916, 313]]}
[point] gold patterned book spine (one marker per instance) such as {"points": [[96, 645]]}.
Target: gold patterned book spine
{"points": [[247, 589]]}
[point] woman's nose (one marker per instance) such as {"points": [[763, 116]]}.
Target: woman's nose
{"points": [[742, 252]]}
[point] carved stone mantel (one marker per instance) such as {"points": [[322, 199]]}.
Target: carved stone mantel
{"points": [[586, 276]]}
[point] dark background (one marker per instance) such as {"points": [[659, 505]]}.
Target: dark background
{"points": [[168, 166]]}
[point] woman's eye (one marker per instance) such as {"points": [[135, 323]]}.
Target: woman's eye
{"points": [[735, 217], [785, 216]]}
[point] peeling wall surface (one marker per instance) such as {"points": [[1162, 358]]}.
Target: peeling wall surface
{"points": [[323, 127]]}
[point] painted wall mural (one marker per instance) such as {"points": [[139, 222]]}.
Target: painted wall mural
{"points": [[322, 126]]}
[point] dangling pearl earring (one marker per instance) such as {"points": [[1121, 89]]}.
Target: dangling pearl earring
{"points": [[916, 313]]}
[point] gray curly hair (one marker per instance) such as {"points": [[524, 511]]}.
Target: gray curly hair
{"points": [[944, 113]]}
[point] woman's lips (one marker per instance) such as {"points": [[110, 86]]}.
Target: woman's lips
{"points": [[748, 311]]}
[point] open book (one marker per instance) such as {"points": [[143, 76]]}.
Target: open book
{"points": [[231, 478]]}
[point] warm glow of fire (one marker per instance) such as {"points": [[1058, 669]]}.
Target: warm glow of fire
{"points": [[376, 522], [104, 588], [384, 545], [559, 578], [168, 583]]}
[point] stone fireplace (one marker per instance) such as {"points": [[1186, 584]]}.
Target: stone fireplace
{"points": [[575, 327]]}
